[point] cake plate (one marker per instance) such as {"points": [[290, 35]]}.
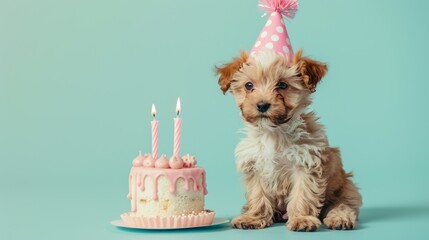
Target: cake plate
{"points": [[216, 221]]}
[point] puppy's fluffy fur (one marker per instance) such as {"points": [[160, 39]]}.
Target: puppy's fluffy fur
{"points": [[290, 170]]}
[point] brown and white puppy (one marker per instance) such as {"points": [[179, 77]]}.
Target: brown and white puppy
{"points": [[290, 170]]}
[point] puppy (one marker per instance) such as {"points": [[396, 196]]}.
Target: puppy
{"points": [[289, 168]]}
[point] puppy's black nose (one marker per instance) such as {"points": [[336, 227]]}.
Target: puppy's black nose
{"points": [[263, 106]]}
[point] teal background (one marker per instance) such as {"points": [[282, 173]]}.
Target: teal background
{"points": [[77, 79]]}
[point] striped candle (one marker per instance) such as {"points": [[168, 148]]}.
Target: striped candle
{"points": [[177, 130], [154, 123]]}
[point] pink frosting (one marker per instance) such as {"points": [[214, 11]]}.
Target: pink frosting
{"points": [[138, 161], [189, 161], [162, 162], [138, 175], [148, 161], [176, 162]]}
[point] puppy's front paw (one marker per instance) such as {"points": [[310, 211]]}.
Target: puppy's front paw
{"points": [[340, 221], [245, 222], [303, 223]]}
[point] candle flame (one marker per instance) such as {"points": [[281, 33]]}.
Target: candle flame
{"points": [[178, 106], [153, 110]]}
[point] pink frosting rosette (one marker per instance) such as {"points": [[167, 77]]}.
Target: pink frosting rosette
{"points": [[162, 162], [148, 161], [176, 162], [189, 161], [138, 161]]}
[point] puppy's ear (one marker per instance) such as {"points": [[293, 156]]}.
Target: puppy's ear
{"points": [[226, 71], [310, 70]]}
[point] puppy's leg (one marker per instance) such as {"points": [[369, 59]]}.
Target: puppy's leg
{"points": [[258, 211], [305, 200], [343, 213]]}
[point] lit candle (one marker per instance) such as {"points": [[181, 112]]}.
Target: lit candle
{"points": [[177, 128], [154, 134]]}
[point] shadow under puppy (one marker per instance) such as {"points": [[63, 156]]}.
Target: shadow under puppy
{"points": [[289, 168]]}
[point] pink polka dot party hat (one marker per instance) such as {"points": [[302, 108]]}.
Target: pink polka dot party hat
{"points": [[274, 34]]}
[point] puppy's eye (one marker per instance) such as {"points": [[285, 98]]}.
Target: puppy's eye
{"points": [[282, 85], [248, 86]]}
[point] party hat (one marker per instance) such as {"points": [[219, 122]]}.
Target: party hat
{"points": [[274, 34]]}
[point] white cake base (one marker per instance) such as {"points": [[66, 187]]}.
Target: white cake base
{"points": [[202, 218]]}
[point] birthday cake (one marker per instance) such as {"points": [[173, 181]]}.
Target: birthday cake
{"points": [[167, 193]]}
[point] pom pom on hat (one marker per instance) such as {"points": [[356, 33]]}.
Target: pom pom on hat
{"points": [[287, 8]]}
